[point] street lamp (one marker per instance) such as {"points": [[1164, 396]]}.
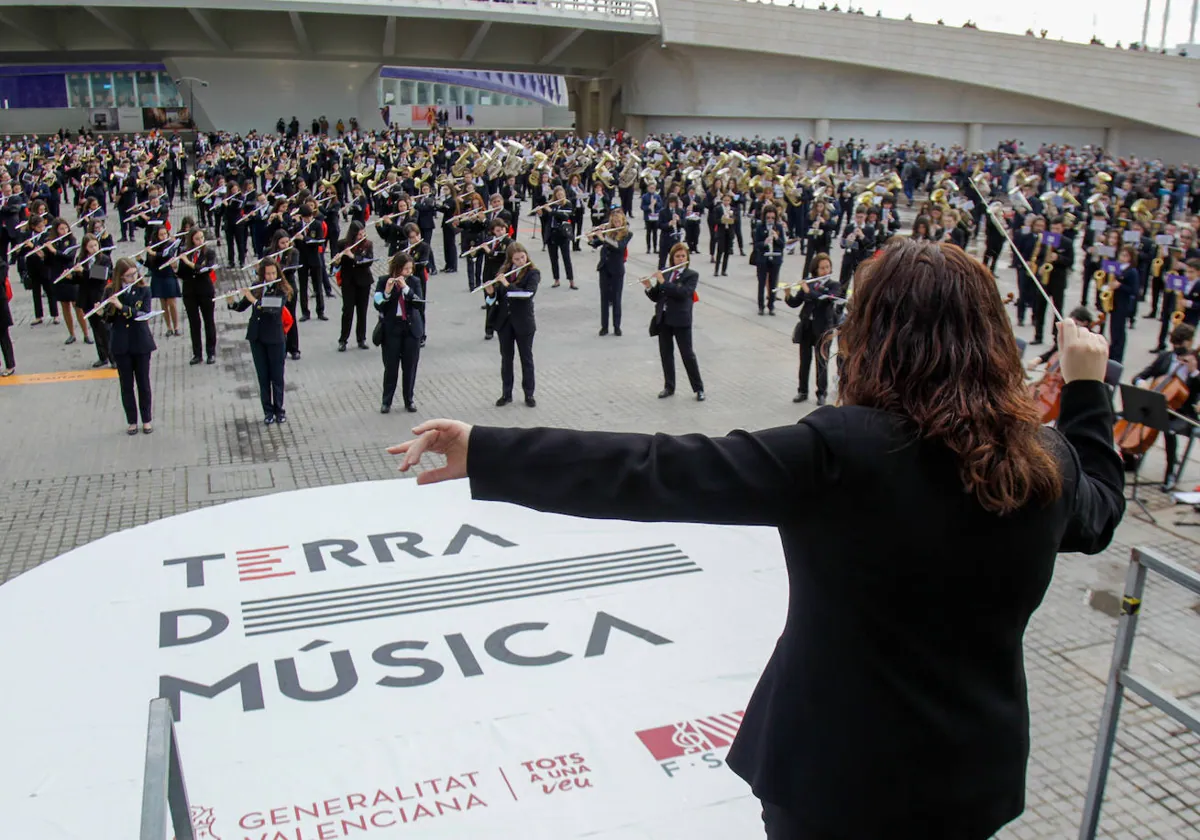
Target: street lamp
{"points": [[192, 82]]}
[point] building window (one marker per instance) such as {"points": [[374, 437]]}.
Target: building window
{"points": [[103, 95], [77, 91], [168, 94], [123, 92], [147, 89]]}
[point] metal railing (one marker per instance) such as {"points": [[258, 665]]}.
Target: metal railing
{"points": [[163, 786], [638, 10], [1120, 680]]}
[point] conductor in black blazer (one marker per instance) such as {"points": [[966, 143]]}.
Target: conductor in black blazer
{"points": [[673, 293], [266, 332], [130, 342], [612, 243], [817, 317], [512, 292], [894, 704], [398, 299]]}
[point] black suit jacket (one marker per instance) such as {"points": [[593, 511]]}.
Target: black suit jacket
{"points": [[389, 308], [126, 333], [266, 322], [517, 309], [674, 299], [895, 697], [818, 308], [612, 254]]}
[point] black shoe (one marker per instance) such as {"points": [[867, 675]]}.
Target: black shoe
{"points": [[410, 408], [1036, 342], [295, 356], [724, 273], [99, 363], [666, 392], [617, 331], [304, 317], [269, 419], [700, 396], [503, 401], [800, 397], [195, 360], [322, 317], [487, 336], [281, 419], [531, 402], [604, 331], [385, 408], [1151, 316], [210, 361], [423, 340], [341, 347], [362, 345], [771, 312], [760, 311], [820, 399]]}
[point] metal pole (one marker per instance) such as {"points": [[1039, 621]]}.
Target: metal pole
{"points": [[1162, 44], [1146, 25], [1195, 11], [1135, 584]]}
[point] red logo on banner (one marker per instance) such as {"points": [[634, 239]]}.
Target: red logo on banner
{"points": [[689, 737]]}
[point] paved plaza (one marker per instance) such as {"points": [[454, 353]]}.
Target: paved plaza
{"points": [[69, 475]]}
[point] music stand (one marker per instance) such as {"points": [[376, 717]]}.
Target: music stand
{"points": [[1148, 408]]}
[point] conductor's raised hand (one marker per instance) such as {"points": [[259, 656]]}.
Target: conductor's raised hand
{"points": [[1082, 354], [442, 437]]}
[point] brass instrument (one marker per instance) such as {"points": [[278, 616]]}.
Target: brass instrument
{"points": [[1067, 197]]}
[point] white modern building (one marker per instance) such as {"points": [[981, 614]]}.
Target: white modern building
{"points": [[726, 66]]}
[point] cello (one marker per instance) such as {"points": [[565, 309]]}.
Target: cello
{"points": [[1133, 439]]}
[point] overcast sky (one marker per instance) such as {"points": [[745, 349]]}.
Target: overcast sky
{"points": [[1072, 20]]}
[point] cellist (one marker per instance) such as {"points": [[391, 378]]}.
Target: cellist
{"points": [[1180, 361]]}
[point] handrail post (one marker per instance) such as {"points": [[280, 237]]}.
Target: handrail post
{"points": [[163, 786], [1119, 679], [1131, 602]]}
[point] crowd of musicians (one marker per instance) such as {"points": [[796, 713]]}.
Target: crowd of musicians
{"points": [[295, 215]]}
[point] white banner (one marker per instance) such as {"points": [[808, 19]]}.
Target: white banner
{"points": [[367, 659]]}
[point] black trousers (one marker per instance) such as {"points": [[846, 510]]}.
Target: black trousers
{"points": [[401, 354], [524, 345], [1171, 443], [669, 336], [235, 240], [354, 299], [1057, 293], [427, 236], [781, 825], [292, 340], [198, 309], [100, 334], [693, 236], [134, 369], [475, 276], [449, 249], [768, 280], [651, 235], [6, 348], [311, 273], [558, 247], [810, 346], [724, 247], [35, 288], [626, 194], [611, 289], [268, 364]]}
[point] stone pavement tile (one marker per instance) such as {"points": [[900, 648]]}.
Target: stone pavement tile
{"points": [[69, 475]]}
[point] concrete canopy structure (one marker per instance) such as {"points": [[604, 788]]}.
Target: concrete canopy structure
{"points": [[726, 66]]}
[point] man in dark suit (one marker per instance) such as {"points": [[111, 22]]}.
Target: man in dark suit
{"points": [[673, 293], [514, 323], [397, 299]]}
